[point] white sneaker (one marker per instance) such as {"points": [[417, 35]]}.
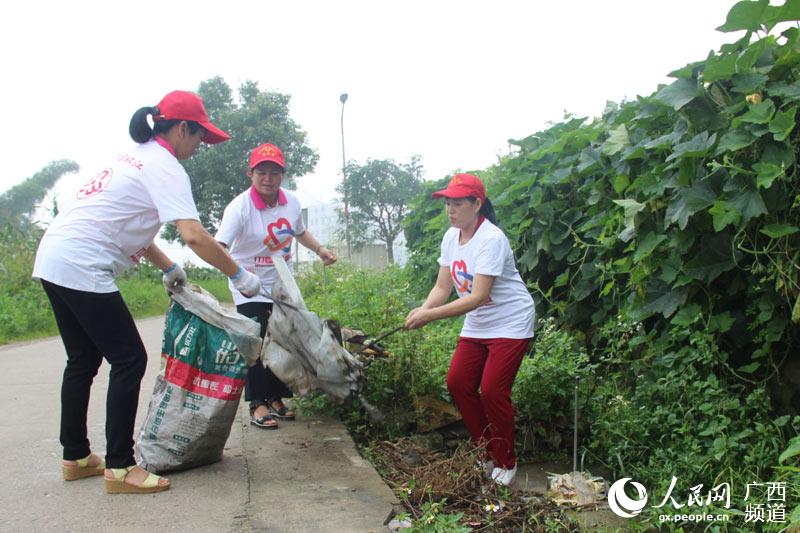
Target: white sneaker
{"points": [[503, 476], [486, 467]]}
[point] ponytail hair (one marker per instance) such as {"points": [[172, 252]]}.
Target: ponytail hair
{"points": [[487, 210], [141, 132], [139, 129]]}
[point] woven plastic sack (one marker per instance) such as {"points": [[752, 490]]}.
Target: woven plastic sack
{"points": [[302, 350], [197, 392]]}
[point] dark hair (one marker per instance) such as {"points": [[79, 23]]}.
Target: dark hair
{"points": [[140, 129], [486, 209]]}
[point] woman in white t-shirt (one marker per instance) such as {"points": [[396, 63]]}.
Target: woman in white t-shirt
{"points": [[258, 224], [477, 261], [109, 227]]}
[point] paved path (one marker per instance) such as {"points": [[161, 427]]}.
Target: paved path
{"points": [[305, 477]]}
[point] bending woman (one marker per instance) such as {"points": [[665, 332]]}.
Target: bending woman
{"points": [[109, 227], [476, 259]]}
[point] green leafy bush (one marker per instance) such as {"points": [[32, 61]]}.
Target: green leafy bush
{"points": [[666, 233], [544, 389]]}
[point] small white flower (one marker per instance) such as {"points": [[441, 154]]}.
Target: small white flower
{"points": [[493, 508], [429, 520]]}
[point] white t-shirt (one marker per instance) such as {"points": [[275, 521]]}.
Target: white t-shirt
{"points": [[509, 312], [253, 235], [114, 218]]}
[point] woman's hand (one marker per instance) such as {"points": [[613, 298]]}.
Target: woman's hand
{"points": [[417, 318], [328, 257]]}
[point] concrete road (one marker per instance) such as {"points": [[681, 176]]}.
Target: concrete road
{"points": [[304, 477]]}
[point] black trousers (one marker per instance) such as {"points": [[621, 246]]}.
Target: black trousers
{"points": [[261, 384], [93, 326]]}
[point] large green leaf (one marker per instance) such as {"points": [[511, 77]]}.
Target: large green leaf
{"points": [[760, 113], [781, 89], [719, 67], [687, 202], [697, 146], [745, 15], [792, 451], [789, 11], [750, 204], [724, 213], [659, 297], [688, 315], [777, 231], [649, 243], [617, 140], [749, 83], [714, 256], [766, 173], [589, 160], [735, 140], [678, 93], [783, 123]]}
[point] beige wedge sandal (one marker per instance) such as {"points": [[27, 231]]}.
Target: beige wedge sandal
{"points": [[82, 469], [117, 485]]}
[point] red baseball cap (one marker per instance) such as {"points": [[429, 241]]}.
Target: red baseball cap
{"points": [[462, 186], [266, 152], [183, 105]]}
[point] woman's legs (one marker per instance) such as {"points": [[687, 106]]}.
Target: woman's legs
{"points": [[83, 360], [92, 324], [499, 372], [255, 386], [262, 386], [488, 365], [463, 380]]}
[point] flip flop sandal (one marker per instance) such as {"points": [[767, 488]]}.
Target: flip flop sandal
{"points": [[117, 485], [264, 422], [82, 469], [283, 413]]}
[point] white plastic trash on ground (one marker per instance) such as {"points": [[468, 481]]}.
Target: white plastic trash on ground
{"points": [[301, 350], [206, 350], [576, 488]]}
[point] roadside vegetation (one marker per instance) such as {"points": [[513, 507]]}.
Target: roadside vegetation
{"points": [[25, 311], [661, 242]]}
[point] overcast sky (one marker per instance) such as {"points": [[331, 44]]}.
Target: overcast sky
{"points": [[451, 81]]}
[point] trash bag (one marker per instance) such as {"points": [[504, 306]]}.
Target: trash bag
{"points": [[303, 351], [205, 353], [576, 488]]}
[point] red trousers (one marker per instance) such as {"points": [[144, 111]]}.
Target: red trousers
{"points": [[481, 374]]}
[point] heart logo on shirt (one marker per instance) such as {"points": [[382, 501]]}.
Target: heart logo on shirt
{"points": [[461, 278], [279, 235]]}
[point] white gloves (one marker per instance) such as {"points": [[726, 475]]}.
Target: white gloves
{"points": [[174, 278], [246, 282]]}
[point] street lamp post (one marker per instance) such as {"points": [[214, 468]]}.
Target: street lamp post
{"points": [[343, 99]]}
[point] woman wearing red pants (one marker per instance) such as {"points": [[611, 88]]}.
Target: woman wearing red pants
{"points": [[476, 259]]}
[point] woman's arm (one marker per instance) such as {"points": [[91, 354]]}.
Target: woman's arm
{"points": [[310, 242], [157, 257], [441, 289], [433, 309], [203, 244]]}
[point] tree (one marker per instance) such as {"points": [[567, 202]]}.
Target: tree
{"points": [[22, 199], [218, 172], [378, 192]]}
